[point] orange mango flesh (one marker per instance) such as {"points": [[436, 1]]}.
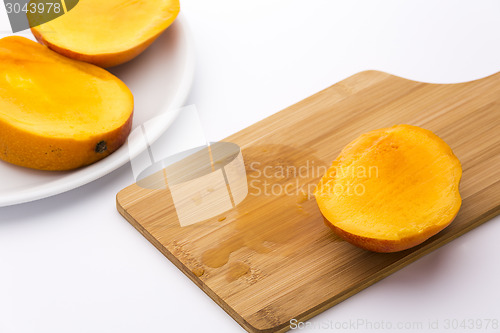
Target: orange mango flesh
{"points": [[55, 111], [391, 189], [107, 32]]}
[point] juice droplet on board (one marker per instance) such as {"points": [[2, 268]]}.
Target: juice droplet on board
{"points": [[236, 270], [198, 271]]}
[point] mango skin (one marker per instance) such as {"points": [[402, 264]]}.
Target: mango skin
{"points": [[51, 126], [104, 60], [415, 196], [44, 153], [385, 245]]}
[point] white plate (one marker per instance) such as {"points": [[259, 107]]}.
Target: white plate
{"points": [[160, 80]]}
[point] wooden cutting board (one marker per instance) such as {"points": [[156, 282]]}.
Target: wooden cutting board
{"points": [[271, 259]]}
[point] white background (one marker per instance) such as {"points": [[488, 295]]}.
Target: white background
{"points": [[71, 263]]}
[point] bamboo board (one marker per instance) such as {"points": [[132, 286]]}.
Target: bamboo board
{"points": [[271, 259]]}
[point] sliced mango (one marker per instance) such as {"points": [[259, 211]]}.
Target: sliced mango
{"points": [[391, 189], [57, 113], [106, 32]]}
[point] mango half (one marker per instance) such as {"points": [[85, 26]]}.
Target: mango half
{"points": [[57, 113], [391, 189], [106, 32]]}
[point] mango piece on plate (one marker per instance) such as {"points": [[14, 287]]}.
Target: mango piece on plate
{"points": [[105, 32], [57, 113]]}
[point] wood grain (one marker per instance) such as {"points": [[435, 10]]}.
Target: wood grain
{"points": [[271, 259]]}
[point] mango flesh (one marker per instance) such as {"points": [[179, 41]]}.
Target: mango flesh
{"points": [[391, 189], [57, 113], [106, 32]]}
